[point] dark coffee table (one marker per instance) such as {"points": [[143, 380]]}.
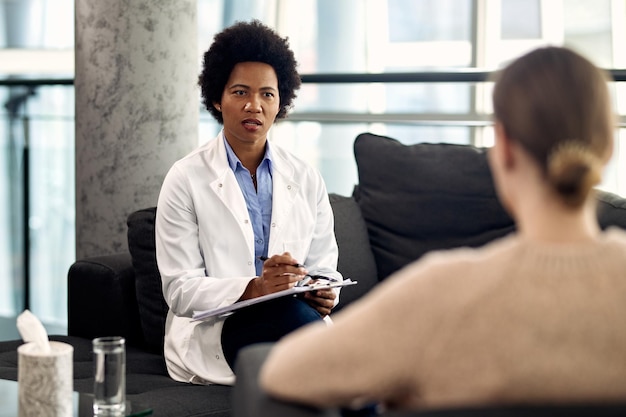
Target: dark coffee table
{"points": [[83, 403]]}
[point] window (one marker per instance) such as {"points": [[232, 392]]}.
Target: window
{"points": [[356, 36]]}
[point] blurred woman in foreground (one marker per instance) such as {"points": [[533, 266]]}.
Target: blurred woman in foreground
{"points": [[534, 317]]}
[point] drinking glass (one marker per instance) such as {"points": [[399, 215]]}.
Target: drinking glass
{"points": [[109, 376]]}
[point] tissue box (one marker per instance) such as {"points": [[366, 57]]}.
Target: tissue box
{"points": [[45, 380]]}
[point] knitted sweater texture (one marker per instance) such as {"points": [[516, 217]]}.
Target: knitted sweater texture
{"points": [[512, 322]]}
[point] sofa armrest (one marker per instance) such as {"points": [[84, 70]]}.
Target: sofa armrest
{"points": [[102, 300], [250, 401]]}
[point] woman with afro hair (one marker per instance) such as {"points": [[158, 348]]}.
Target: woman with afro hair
{"points": [[240, 217]]}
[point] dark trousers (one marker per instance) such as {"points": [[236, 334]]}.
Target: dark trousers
{"points": [[265, 322]]}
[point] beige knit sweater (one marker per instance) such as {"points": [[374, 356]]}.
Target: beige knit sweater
{"points": [[512, 322]]}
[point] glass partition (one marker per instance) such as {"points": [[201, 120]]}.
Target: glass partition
{"points": [[37, 194], [338, 37]]}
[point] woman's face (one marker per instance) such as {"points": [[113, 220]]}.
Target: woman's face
{"points": [[250, 103]]}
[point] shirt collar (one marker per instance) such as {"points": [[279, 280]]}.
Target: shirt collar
{"points": [[234, 162]]}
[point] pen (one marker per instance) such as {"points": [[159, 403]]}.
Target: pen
{"points": [[265, 258], [309, 278], [322, 277]]}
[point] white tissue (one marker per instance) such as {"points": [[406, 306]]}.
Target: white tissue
{"points": [[32, 330]]}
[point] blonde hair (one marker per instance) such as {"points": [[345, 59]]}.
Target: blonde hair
{"points": [[573, 171], [555, 103]]}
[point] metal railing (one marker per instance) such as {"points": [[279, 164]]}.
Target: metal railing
{"points": [[467, 75], [469, 119], [464, 75]]}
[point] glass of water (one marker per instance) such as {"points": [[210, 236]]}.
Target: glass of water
{"points": [[109, 388]]}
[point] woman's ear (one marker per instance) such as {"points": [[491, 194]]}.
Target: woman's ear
{"points": [[217, 106], [501, 161], [503, 146]]}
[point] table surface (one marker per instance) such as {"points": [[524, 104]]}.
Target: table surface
{"points": [[83, 403]]}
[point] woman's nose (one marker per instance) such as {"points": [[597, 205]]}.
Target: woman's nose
{"points": [[254, 105]]}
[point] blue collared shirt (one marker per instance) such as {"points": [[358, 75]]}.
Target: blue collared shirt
{"points": [[259, 201]]}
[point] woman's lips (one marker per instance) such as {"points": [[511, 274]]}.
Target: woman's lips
{"points": [[252, 124]]}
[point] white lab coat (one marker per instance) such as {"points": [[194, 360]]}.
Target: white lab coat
{"points": [[205, 247]]}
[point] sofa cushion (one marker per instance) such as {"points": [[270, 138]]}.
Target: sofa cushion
{"points": [[102, 299], [423, 197], [152, 305], [611, 210], [356, 260]]}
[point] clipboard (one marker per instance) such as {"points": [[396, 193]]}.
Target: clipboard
{"points": [[229, 309]]}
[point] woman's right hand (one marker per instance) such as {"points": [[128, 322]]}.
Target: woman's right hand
{"points": [[280, 272]]}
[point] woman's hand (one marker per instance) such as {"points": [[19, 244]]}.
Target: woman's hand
{"points": [[280, 272], [321, 300]]}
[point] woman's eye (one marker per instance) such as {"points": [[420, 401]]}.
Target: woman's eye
{"points": [[270, 95], [239, 92]]}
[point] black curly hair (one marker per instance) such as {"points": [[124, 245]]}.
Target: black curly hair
{"points": [[248, 42]]}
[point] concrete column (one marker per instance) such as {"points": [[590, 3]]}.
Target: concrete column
{"points": [[136, 110]]}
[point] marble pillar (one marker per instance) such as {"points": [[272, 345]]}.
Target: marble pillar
{"points": [[136, 110]]}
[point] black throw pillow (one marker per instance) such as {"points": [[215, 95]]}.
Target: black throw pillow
{"points": [[423, 197], [611, 209], [152, 306]]}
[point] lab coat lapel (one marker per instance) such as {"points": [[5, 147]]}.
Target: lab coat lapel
{"points": [[285, 190], [227, 190]]}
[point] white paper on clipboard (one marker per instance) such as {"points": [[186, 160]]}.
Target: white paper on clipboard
{"points": [[225, 310]]}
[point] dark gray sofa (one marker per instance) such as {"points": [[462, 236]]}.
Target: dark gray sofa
{"points": [[409, 200], [250, 401]]}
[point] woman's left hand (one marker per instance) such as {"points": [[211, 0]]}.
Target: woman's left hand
{"points": [[321, 300]]}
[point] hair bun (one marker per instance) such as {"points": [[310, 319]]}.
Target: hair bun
{"points": [[573, 170]]}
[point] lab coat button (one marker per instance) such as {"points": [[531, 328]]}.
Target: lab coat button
{"points": [[220, 185], [217, 356], [249, 262], [289, 187], [273, 224], [246, 221]]}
